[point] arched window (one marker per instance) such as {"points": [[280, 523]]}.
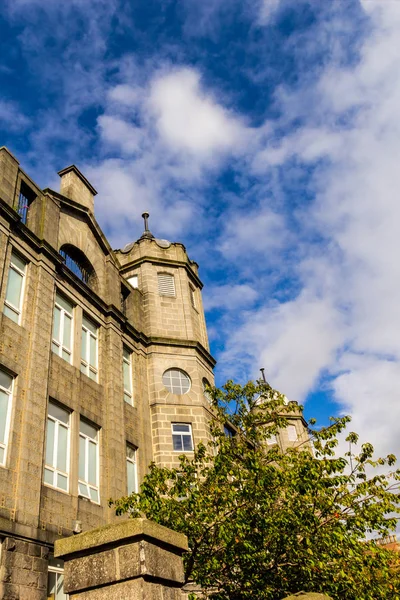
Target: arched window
{"points": [[206, 391], [77, 262]]}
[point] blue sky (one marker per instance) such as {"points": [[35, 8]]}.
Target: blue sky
{"points": [[264, 135]]}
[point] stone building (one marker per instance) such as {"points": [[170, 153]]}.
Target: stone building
{"points": [[104, 359]]}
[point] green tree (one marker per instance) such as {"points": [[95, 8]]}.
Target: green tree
{"points": [[262, 523]]}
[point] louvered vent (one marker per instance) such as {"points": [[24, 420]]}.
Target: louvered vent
{"points": [[166, 284]]}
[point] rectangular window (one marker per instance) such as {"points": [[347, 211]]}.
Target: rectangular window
{"points": [[192, 292], [55, 581], [15, 288], [62, 328], [88, 484], [89, 348], [6, 389], [127, 371], [271, 440], [166, 284], [131, 471], [56, 470], [26, 197], [182, 437], [292, 433]]}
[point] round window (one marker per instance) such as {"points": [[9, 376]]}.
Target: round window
{"points": [[206, 392], [176, 381]]}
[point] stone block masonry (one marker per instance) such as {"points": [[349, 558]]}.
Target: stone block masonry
{"points": [[23, 571], [134, 559]]}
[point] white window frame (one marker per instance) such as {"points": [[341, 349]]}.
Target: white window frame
{"points": [[59, 572], [181, 434], [86, 367], [127, 364], [166, 284], [131, 461], [9, 391], [85, 482], [58, 423], [60, 343], [167, 377], [17, 310]]}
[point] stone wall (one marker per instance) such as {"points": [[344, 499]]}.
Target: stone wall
{"points": [[23, 571]]}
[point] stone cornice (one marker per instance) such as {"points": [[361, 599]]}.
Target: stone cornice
{"points": [[163, 262]]}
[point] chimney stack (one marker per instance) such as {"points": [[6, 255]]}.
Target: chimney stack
{"points": [[76, 187]]}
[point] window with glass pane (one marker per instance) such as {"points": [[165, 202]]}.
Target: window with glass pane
{"points": [[6, 388], [62, 328], [89, 360], [205, 384], [25, 199], [127, 372], [131, 472], [55, 580], [15, 288], [176, 381], [88, 484], [56, 470], [182, 437]]}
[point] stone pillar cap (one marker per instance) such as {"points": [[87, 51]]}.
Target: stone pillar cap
{"points": [[117, 534]]}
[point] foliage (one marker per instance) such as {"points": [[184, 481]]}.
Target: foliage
{"points": [[262, 523]]}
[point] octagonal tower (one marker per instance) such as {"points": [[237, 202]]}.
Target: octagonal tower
{"points": [[178, 358]]}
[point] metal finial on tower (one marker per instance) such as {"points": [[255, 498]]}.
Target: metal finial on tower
{"points": [[147, 233], [263, 374]]}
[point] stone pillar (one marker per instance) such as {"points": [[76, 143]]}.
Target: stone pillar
{"points": [[23, 572], [130, 560]]}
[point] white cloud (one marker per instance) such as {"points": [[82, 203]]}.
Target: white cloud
{"points": [[268, 9], [11, 117], [117, 132], [230, 296], [130, 187], [166, 133], [292, 340], [188, 119], [350, 298], [124, 94], [255, 231]]}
